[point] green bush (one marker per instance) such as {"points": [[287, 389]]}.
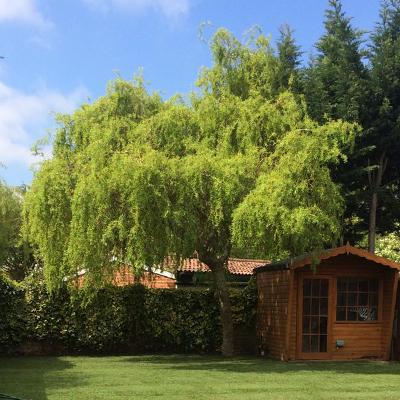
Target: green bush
{"points": [[131, 319], [12, 315]]}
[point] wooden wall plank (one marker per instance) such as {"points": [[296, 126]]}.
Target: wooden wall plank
{"points": [[272, 310]]}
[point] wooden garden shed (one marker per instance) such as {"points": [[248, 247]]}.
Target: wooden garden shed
{"points": [[341, 309]]}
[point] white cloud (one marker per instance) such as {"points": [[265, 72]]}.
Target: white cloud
{"points": [[170, 8], [24, 118], [24, 11]]}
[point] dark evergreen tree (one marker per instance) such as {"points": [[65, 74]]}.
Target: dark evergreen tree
{"points": [[340, 85], [336, 82], [336, 86], [383, 134], [289, 54]]}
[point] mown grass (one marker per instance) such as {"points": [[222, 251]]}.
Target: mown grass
{"points": [[194, 377]]}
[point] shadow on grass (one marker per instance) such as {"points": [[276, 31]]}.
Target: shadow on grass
{"points": [[259, 365], [29, 378]]}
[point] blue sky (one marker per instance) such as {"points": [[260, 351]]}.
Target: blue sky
{"points": [[60, 53]]}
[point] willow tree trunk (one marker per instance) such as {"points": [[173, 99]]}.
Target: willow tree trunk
{"points": [[225, 308], [375, 182]]}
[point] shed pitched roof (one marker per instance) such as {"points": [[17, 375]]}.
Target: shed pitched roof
{"points": [[307, 259]]}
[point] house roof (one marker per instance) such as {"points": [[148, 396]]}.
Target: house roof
{"points": [[236, 266], [307, 259]]}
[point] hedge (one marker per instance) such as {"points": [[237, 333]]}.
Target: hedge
{"points": [[12, 314], [130, 319]]}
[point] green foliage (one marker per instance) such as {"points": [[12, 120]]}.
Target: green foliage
{"points": [[240, 69], [117, 319], [387, 245], [148, 179], [244, 305], [50, 215], [10, 207], [15, 254], [295, 206], [384, 133], [12, 315], [168, 184], [336, 83], [346, 81], [288, 73], [46, 313]]}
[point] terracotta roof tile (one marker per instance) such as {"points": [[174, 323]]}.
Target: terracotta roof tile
{"points": [[236, 266]]}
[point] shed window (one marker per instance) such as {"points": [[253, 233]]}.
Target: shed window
{"points": [[357, 299]]}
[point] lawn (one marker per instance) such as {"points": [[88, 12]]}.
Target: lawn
{"points": [[194, 377]]}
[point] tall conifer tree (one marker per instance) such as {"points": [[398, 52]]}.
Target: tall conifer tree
{"points": [[289, 54], [384, 125], [336, 82], [336, 86]]}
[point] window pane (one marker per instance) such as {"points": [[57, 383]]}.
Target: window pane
{"points": [[314, 343], [323, 343], [352, 314], [341, 300], [324, 288], [306, 344], [314, 325], [351, 299], [323, 307], [306, 306], [323, 325], [363, 286], [315, 287], [315, 307], [363, 299], [363, 313], [306, 324], [373, 313], [315, 315], [357, 299], [353, 285], [373, 300], [307, 287], [341, 314]]}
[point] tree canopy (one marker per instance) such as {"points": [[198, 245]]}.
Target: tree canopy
{"points": [[355, 79], [10, 206], [15, 258], [266, 158], [135, 179]]}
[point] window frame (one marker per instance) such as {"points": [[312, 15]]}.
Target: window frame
{"points": [[299, 314], [379, 294]]}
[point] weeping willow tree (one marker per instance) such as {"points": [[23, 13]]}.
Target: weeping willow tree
{"points": [[10, 219], [15, 256], [135, 179]]}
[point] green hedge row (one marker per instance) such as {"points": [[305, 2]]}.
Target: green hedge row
{"points": [[12, 314], [130, 319]]}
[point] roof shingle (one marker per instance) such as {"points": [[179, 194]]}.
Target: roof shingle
{"points": [[236, 266]]}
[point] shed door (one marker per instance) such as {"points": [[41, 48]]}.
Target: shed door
{"points": [[313, 329]]}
